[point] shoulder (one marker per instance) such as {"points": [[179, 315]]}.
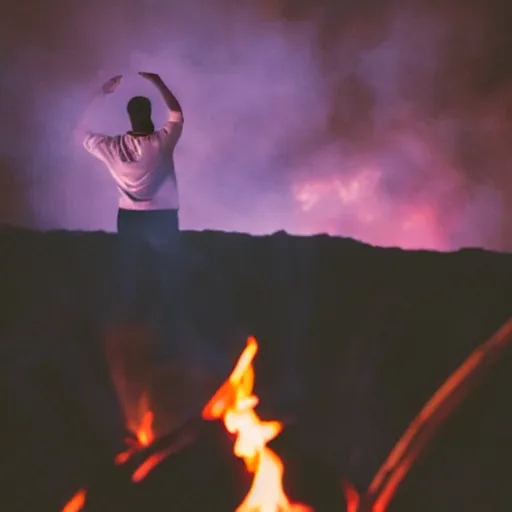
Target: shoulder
{"points": [[93, 141]]}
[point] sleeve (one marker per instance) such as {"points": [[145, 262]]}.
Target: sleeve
{"points": [[171, 131], [96, 143]]}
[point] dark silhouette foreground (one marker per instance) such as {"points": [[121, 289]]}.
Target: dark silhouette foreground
{"points": [[353, 341]]}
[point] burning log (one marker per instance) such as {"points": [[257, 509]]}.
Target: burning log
{"points": [[425, 425], [77, 502], [202, 476], [144, 454]]}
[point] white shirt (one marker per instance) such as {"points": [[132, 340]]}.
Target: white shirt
{"points": [[142, 166]]}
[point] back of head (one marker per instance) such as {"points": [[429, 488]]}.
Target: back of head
{"points": [[139, 111]]}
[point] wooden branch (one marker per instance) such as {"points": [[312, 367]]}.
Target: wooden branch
{"points": [[426, 424]]}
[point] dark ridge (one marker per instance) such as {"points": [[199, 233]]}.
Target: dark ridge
{"points": [[353, 340]]}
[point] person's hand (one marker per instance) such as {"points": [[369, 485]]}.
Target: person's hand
{"points": [[152, 77], [111, 85]]}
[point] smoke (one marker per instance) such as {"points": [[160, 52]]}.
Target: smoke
{"points": [[375, 120]]}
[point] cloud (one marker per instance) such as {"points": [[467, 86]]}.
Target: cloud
{"points": [[381, 121]]}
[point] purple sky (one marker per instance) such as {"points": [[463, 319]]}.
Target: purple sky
{"points": [[387, 123]]}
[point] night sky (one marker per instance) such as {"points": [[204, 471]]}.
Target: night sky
{"points": [[388, 121]]}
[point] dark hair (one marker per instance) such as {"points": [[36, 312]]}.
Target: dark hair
{"points": [[139, 111]]}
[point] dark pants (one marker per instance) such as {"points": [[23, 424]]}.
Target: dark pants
{"points": [[150, 268]]}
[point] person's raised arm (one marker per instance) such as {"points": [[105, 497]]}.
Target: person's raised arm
{"points": [[170, 100], [81, 129], [170, 133]]}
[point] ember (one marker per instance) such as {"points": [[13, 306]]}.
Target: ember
{"points": [[144, 435], [76, 503], [234, 403]]}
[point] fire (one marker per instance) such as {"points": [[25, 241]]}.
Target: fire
{"points": [[234, 403], [143, 431], [76, 503], [416, 437], [149, 464], [352, 497], [144, 436]]}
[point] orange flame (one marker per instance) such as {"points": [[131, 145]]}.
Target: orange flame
{"points": [[149, 464], [76, 503], [144, 437], [234, 403], [352, 497], [143, 432], [123, 457]]}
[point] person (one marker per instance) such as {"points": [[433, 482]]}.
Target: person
{"points": [[141, 163]]}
